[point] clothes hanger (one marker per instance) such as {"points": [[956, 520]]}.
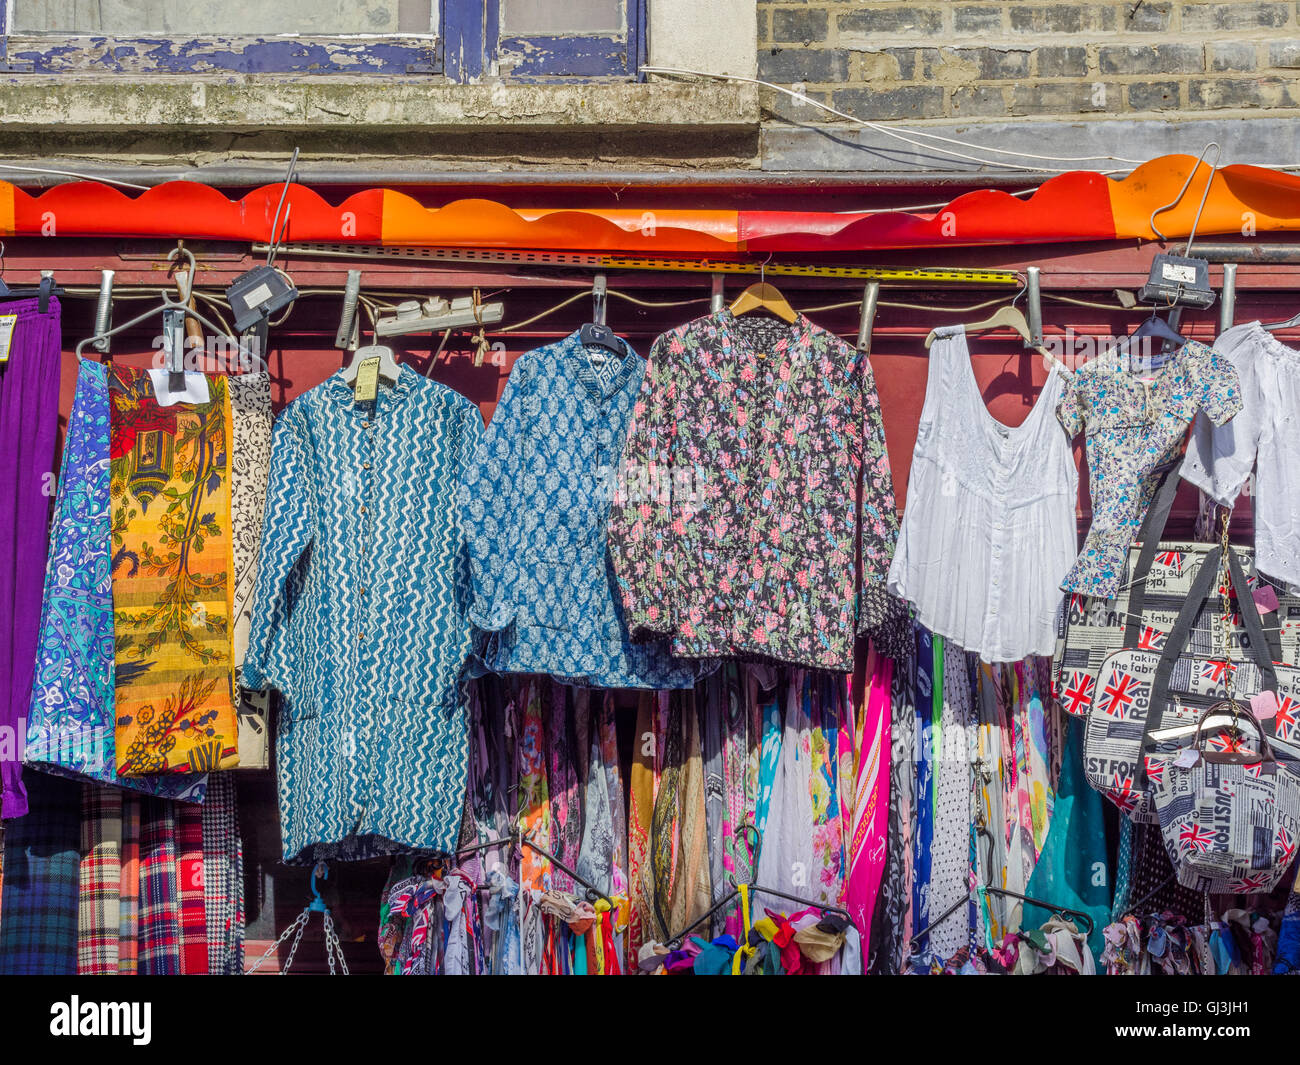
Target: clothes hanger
{"points": [[763, 297], [596, 333], [1006, 317], [673, 942], [42, 291], [388, 368], [518, 839], [171, 309], [1059, 911], [1290, 323]]}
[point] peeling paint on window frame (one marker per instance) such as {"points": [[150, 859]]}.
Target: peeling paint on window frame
{"points": [[469, 48]]}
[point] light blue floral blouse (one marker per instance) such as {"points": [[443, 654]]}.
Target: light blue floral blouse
{"points": [[359, 618], [1135, 424], [534, 507]]}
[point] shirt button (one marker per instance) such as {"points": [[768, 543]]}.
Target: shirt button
{"points": [[361, 636], [365, 425], [363, 510], [365, 465], [363, 591]]}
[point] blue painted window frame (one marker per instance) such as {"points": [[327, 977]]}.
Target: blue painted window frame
{"points": [[469, 47]]}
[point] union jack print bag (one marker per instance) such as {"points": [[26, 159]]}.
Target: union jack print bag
{"points": [[1229, 810], [1156, 582], [1148, 703]]}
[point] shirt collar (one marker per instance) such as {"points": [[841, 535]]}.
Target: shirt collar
{"points": [[341, 392], [576, 353]]}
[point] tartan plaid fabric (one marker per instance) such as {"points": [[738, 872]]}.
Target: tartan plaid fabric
{"points": [[128, 943], [223, 877], [189, 880], [160, 935], [99, 913], [38, 926]]}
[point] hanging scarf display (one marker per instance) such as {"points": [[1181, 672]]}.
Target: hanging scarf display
{"points": [[869, 773], [223, 878], [171, 565], [70, 721]]}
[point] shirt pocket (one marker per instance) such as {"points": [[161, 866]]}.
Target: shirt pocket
{"points": [[551, 591]]}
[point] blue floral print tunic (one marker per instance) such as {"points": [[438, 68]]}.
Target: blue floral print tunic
{"points": [[1135, 425], [359, 617], [734, 533], [534, 508]]}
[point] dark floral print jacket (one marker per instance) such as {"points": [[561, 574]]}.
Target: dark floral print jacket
{"points": [[735, 525]]}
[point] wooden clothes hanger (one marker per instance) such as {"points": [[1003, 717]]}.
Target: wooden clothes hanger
{"points": [[1007, 317], [763, 296]]}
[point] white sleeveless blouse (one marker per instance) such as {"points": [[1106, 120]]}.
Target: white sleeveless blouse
{"points": [[989, 529]]}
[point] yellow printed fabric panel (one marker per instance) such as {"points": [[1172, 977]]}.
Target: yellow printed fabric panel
{"points": [[171, 563]]}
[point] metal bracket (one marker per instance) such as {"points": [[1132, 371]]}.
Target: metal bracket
{"points": [[870, 301], [1034, 301], [1228, 300]]}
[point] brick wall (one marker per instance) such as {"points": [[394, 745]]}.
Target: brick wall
{"points": [[877, 59]]}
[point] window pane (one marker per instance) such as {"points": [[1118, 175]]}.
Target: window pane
{"points": [[206, 18], [520, 17]]}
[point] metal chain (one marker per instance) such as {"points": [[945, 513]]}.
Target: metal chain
{"points": [[299, 922], [333, 946], [1225, 619]]}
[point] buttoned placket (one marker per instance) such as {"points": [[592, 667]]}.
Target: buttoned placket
{"points": [[363, 638]]}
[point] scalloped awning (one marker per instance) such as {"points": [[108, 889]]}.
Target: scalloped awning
{"points": [[1078, 206]]}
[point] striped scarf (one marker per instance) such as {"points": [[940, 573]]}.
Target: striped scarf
{"points": [[159, 927], [99, 907]]}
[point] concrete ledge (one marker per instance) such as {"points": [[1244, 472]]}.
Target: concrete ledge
{"points": [[159, 105]]}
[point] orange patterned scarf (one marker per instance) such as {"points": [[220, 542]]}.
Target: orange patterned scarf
{"points": [[171, 559]]}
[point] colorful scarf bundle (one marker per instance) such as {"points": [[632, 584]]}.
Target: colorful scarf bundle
{"points": [[866, 747], [172, 586], [99, 900], [70, 721]]}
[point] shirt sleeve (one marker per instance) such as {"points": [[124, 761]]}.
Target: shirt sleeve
{"points": [[641, 538], [877, 516], [491, 502], [1220, 457], [1069, 408], [288, 528], [1219, 387]]}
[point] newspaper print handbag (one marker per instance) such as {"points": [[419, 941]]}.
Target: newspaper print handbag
{"points": [[1148, 702], [1156, 583], [1229, 810]]}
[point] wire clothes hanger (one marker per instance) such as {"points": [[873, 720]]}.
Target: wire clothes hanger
{"points": [[178, 306], [1060, 911], [518, 839], [725, 902]]}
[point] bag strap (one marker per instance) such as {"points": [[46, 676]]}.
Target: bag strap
{"points": [[1174, 644], [1177, 638], [1233, 757], [1153, 528]]}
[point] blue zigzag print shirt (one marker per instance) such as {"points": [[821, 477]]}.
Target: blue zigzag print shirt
{"points": [[534, 505], [359, 617]]}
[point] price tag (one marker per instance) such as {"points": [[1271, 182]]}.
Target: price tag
{"points": [[1264, 705], [367, 385], [7, 323], [1266, 598], [1188, 758]]}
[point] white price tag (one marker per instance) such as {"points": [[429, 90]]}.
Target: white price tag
{"points": [[7, 323], [1182, 274]]}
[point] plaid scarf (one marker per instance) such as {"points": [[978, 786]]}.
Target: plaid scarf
{"points": [[128, 943], [223, 878], [38, 925], [160, 936], [99, 908], [189, 880]]}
